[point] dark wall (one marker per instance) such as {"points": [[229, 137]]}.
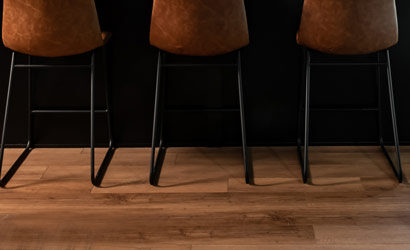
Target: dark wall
{"points": [[271, 69]]}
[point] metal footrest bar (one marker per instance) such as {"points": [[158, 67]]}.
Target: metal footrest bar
{"points": [[202, 109], [347, 64], [38, 66], [185, 65], [63, 111], [344, 109]]}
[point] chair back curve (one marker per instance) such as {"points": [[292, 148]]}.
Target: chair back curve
{"points": [[51, 28], [199, 27], [348, 27]]}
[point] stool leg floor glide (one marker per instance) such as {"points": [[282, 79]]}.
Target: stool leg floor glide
{"points": [[96, 179], [303, 146], [157, 158]]}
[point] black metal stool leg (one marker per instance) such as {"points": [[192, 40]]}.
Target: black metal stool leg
{"points": [[379, 101], [246, 155], [92, 114], [96, 179], [395, 160], [6, 113], [300, 117], [304, 151], [10, 173], [108, 100], [157, 161], [29, 105]]}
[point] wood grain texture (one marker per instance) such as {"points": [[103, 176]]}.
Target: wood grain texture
{"points": [[203, 202]]}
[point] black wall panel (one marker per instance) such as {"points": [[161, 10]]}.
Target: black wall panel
{"points": [[272, 71]]}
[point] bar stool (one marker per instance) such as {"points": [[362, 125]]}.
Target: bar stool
{"points": [[196, 28], [53, 28], [348, 27]]}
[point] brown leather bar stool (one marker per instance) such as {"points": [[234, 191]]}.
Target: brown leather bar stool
{"points": [[196, 28], [348, 27], [53, 28]]}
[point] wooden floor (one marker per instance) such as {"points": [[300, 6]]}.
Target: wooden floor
{"points": [[354, 201]]}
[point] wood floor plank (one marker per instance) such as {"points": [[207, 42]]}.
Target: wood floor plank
{"points": [[377, 234], [354, 201], [304, 246], [345, 184]]}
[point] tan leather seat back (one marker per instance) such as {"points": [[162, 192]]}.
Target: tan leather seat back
{"points": [[199, 27], [348, 26], [51, 28]]}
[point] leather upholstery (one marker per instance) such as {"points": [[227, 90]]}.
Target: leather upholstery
{"points": [[348, 27], [51, 28], [199, 27]]}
